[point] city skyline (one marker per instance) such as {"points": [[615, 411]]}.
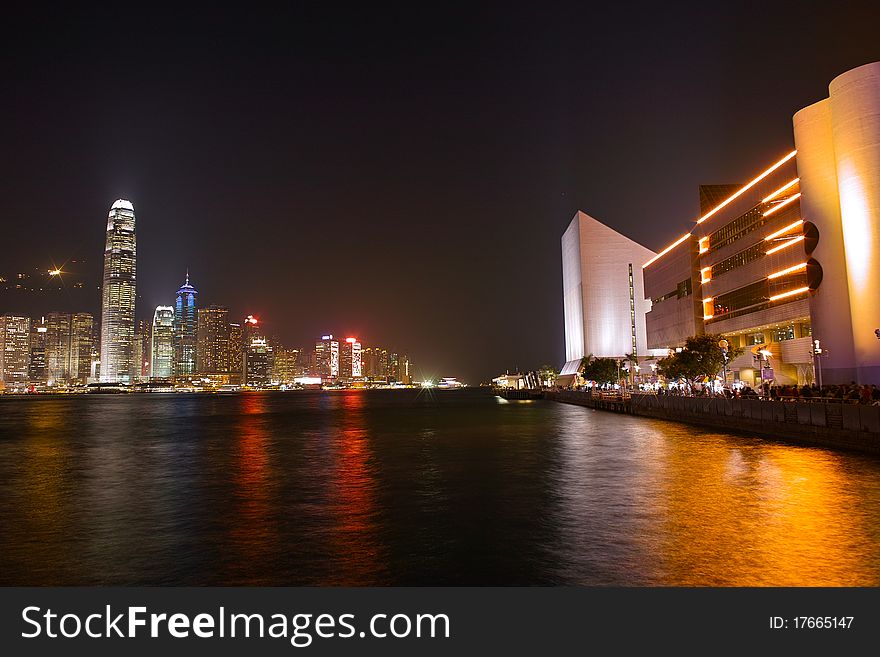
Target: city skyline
{"points": [[435, 169]]}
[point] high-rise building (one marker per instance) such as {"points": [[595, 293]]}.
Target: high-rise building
{"points": [[162, 343], [327, 357], [393, 367], [143, 338], [185, 309], [15, 351], [38, 372], [236, 353], [406, 370], [58, 348], [259, 372], [287, 365], [350, 366], [81, 331], [118, 294], [375, 363], [212, 340]]}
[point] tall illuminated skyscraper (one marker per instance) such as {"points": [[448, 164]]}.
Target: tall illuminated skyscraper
{"points": [[161, 347], [143, 340], [350, 359], [38, 373], [81, 325], [327, 356], [185, 330], [118, 294], [15, 351], [58, 348], [212, 340]]}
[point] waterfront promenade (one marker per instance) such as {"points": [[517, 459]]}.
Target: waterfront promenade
{"points": [[828, 422]]}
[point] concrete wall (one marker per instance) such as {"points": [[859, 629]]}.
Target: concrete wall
{"points": [[834, 424]]}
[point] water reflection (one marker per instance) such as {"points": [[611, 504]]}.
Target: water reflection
{"points": [[702, 509], [355, 545], [393, 487]]}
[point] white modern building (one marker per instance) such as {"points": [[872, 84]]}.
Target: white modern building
{"points": [[603, 293], [838, 161], [118, 295]]}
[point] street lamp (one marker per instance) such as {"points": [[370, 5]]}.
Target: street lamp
{"points": [[724, 344]]}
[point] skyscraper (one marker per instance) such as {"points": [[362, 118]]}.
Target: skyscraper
{"points": [[81, 325], [161, 346], [143, 340], [287, 365], [327, 357], [58, 348], [38, 373], [67, 348], [258, 372], [185, 330], [212, 340], [236, 353], [350, 360], [15, 351], [118, 294]]}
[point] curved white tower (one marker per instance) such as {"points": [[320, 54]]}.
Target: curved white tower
{"points": [[855, 120], [838, 141], [118, 294]]}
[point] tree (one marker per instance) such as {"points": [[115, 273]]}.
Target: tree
{"points": [[548, 373], [600, 370], [701, 357]]}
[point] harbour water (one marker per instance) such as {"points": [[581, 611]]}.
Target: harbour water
{"points": [[413, 487]]}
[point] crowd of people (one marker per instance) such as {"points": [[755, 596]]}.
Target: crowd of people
{"points": [[848, 392]]}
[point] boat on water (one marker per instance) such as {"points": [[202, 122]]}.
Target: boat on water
{"points": [[450, 383]]}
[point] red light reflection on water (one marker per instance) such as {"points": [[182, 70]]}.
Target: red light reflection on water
{"points": [[253, 536], [354, 541]]}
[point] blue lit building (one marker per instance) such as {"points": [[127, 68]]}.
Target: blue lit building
{"points": [[184, 336]]}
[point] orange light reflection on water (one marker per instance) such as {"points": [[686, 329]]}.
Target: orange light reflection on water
{"points": [[762, 515]]}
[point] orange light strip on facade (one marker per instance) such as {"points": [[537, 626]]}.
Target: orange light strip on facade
{"points": [[705, 274], [704, 244], [708, 310], [790, 293], [748, 186], [790, 270], [780, 190], [667, 249], [793, 240], [790, 199], [783, 231]]}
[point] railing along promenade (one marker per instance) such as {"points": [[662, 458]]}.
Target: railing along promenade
{"points": [[827, 421]]}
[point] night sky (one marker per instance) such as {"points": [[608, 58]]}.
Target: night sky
{"points": [[404, 175]]}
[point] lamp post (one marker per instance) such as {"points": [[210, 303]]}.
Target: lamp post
{"points": [[724, 344]]}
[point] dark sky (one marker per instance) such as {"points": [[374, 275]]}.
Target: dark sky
{"points": [[400, 174]]}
